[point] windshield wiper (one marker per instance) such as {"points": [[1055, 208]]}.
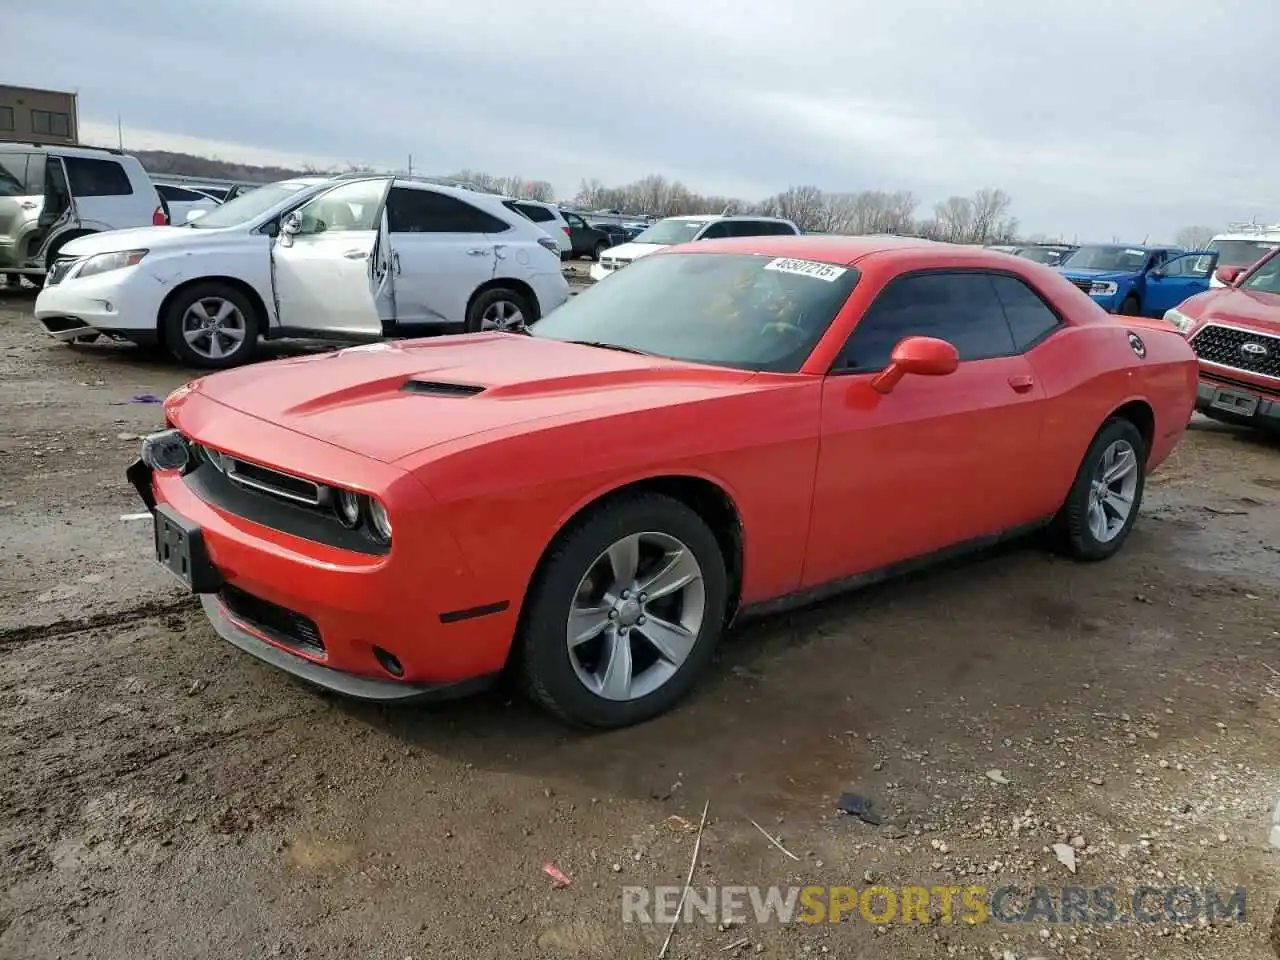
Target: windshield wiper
{"points": [[611, 346]]}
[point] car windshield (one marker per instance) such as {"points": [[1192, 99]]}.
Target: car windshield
{"points": [[1040, 254], [247, 206], [1115, 259], [1242, 253], [671, 231], [735, 310], [1266, 279]]}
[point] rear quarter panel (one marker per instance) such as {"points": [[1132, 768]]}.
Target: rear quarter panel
{"points": [[506, 498]]}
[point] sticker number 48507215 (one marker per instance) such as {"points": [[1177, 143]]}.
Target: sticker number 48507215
{"points": [[807, 268]]}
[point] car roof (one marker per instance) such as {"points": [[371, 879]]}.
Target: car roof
{"points": [[835, 249]]}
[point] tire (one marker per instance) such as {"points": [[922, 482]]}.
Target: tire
{"points": [[480, 313], [176, 322], [556, 677], [1072, 532], [598, 252], [1130, 307]]}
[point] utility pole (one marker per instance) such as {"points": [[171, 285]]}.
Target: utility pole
{"points": [[119, 132], [410, 165]]}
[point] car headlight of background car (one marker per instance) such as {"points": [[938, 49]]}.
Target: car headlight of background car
{"points": [[1103, 288], [106, 262], [1179, 319]]}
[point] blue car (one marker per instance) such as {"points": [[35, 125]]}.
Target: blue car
{"points": [[1139, 281]]}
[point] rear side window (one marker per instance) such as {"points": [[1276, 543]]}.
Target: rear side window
{"points": [[1030, 318], [91, 177], [717, 231], [758, 228], [178, 194], [21, 175], [425, 211], [575, 221], [961, 308], [535, 213]]}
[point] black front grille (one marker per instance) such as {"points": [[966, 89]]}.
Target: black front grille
{"points": [[58, 272], [279, 623], [1256, 353], [1085, 285]]}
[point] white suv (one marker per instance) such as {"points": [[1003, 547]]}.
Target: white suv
{"points": [[549, 218], [51, 195], [673, 230], [358, 257]]}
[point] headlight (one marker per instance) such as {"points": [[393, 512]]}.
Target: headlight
{"points": [[1103, 288], [104, 262], [166, 450], [1179, 319], [348, 509], [379, 520]]}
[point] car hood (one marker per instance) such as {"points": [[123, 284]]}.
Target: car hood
{"points": [[137, 238], [388, 401], [1095, 274], [634, 251], [1241, 308]]}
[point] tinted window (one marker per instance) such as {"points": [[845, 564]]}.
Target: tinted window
{"points": [[961, 308], [21, 175], [759, 228], [734, 310], [425, 211], [717, 230], [532, 211], [96, 178], [177, 194], [1030, 318]]}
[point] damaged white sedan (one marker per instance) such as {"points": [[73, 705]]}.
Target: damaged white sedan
{"points": [[358, 257]]}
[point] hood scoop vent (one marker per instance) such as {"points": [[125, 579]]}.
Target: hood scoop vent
{"points": [[440, 388]]}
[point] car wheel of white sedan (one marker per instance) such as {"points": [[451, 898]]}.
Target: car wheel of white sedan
{"points": [[1106, 496], [212, 326], [499, 309], [625, 613]]}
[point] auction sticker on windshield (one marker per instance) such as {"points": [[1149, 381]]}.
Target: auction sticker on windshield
{"points": [[807, 268]]}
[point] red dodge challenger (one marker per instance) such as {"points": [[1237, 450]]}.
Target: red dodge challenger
{"points": [[724, 428]]}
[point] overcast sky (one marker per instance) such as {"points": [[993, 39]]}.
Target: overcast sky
{"points": [[1130, 118]]}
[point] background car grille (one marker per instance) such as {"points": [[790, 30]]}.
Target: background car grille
{"points": [[58, 272], [1221, 345], [277, 622], [1085, 285]]}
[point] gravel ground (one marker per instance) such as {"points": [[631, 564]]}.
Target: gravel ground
{"points": [[162, 795]]}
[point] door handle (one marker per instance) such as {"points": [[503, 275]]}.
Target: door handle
{"points": [[479, 252], [1021, 382], [356, 254]]}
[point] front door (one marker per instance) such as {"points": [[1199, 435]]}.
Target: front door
{"points": [[335, 275], [1177, 279], [939, 460], [444, 249]]}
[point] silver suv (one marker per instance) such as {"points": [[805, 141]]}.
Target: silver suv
{"points": [[50, 195]]}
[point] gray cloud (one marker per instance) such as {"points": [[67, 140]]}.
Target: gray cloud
{"points": [[1100, 118]]}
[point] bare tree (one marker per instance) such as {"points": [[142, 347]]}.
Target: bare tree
{"points": [[1194, 238]]}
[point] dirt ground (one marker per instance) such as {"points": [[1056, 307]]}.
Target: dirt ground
{"points": [[163, 795]]}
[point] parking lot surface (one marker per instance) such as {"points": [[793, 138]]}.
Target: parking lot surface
{"points": [[162, 794]]}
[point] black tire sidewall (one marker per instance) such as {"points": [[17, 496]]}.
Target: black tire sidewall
{"points": [[598, 251], [475, 313], [1133, 302], [178, 345], [543, 652], [1078, 539]]}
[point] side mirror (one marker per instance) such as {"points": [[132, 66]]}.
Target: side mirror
{"points": [[194, 215], [921, 356], [291, 224], [1156, 274], [1228, 276]]}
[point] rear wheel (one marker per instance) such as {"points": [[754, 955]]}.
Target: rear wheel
{"points": [[625, 613], [211, 326], [1106, 496], [499, 309], [598, 252]]}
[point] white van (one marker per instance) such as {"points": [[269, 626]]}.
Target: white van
{"points": [[51, 195], [1243, 245]]}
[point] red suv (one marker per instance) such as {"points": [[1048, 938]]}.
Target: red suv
{"points": [[1235, 331]]}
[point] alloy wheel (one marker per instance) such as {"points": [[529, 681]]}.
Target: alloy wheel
{"points": [[214, 328], [1112, 491]]}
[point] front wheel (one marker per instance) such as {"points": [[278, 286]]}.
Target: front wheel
{"points": [[211, 326], [625, 613], [1130, 307], [1103, 504], [598, 252]]}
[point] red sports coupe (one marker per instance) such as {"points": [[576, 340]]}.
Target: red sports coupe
{"points": [[718, 429]]}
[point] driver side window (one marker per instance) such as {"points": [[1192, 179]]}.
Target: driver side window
{"points": [[345, 209], [1191, 267], [961, 308]]}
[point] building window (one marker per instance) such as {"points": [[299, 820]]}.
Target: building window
{"points": [[51, 124], [6, 118]]}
